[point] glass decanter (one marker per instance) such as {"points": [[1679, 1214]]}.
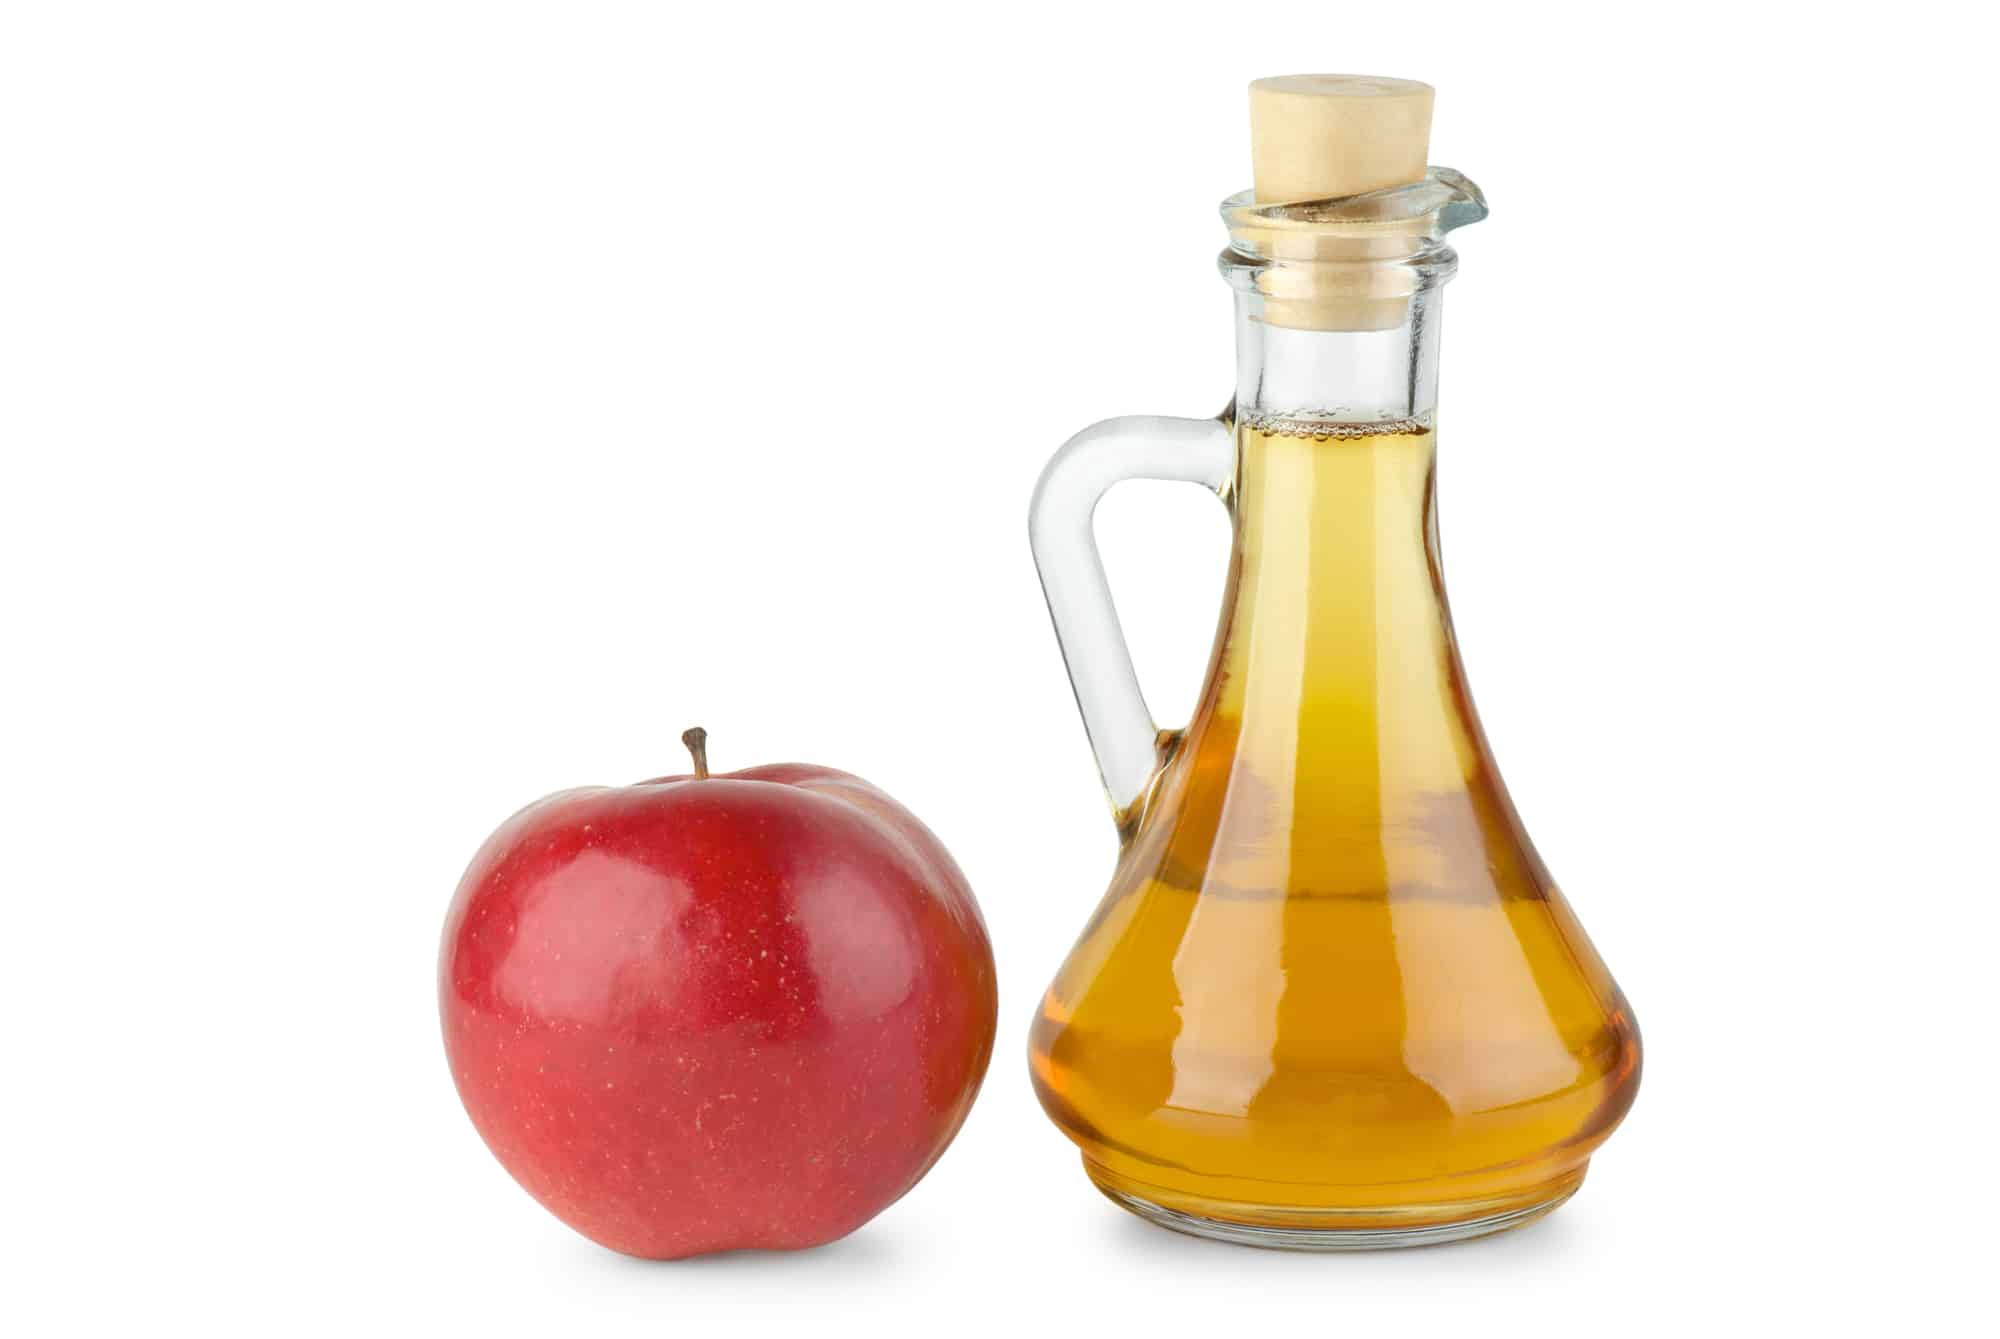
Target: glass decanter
{"points": [[1332, 998]]}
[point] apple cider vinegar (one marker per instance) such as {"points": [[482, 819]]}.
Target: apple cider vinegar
{"points": [[1331, 979]]}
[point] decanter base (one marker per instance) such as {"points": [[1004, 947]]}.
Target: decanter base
{"points": [[1291, 1229]]}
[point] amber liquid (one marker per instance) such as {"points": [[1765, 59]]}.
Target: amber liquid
{"points": [[1332, 985]]}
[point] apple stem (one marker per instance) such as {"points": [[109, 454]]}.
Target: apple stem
{"points": [[696, 740]]}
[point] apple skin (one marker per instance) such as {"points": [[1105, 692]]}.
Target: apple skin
{"points": [[703, 1014]]}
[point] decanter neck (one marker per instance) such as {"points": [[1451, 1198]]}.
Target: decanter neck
{"points": [[1335, 638], [1292, 376]]}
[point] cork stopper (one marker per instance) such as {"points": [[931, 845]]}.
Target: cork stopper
{"points": [[1321, 136], [1316, 137]]}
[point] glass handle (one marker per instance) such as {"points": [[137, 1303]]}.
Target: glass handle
{"points": [[1194, 450]]}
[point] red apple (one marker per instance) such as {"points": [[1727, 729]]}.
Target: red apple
{"points": [[710, 1012]]}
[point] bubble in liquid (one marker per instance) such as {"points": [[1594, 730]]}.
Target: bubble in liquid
{"points": [[1322, 426]]}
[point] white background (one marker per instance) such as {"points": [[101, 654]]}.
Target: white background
{"points": [[408, 409]]}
